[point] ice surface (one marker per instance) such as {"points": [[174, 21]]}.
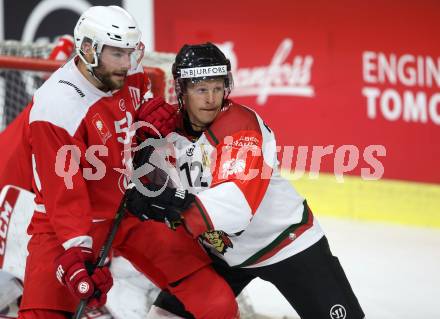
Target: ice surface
{"points": [[394, 270]]}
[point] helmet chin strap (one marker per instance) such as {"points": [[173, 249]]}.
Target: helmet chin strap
{"points": [[91, 66], [91, 70], [92, 73]]}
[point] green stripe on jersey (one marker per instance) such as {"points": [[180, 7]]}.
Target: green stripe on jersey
{"points": [[213, 136], [205, 218], [254, 258]]}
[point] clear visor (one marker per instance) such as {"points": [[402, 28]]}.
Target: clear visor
{"points": [[137, 55]]}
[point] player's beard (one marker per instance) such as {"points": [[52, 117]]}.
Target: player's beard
{"points": [[107, 80]]}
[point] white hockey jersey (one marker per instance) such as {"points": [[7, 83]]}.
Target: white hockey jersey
{"points": [[245, 211]]}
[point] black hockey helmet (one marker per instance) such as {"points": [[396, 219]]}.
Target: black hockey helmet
{"points": [[200, 62]]}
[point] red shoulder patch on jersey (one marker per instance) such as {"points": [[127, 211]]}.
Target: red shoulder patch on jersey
{"points": [[232, 119]]}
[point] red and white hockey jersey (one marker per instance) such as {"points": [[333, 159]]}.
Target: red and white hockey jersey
{"points": [[77, 138], [232, 167]]}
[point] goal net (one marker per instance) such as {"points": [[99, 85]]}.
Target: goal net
{"points": [[24, 68]]}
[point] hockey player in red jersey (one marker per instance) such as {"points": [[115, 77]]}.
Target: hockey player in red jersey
{"points": [[78, 131], [252, 221]]}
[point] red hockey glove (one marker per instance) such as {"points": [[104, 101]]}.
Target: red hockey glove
{"points": [[159, 114], [71, 271], [102, 278]]}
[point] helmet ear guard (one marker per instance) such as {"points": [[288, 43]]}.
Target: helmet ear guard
{"points": [[91, 47], [200, 62]]}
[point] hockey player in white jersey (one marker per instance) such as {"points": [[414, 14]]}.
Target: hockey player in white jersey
{"points": [[251, 220]]}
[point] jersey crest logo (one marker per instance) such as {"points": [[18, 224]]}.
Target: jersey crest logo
{"points": [[122, 105], [101, 128], [190, 150], [233, 166], [219, 240], [135, 95]]}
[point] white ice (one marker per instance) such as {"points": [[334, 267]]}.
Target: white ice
{"points": [[394, 270]]}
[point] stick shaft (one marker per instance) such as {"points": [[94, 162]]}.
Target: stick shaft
{"points": [[105, 249]]}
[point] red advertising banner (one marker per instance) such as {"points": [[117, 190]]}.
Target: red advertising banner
{"points": [[349, 87]]}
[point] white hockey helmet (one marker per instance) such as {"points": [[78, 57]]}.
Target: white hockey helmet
{"points": [[107, 25]]}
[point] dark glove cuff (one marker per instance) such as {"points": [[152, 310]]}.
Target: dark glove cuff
{"points": [[182, 199]]}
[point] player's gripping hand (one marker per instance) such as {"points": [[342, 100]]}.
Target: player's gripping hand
{"points": [[158, 113], [71, 271], [153, 203]]}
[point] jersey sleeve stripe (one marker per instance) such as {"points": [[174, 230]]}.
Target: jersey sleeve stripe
{"points": [[205, 216], [212, 137], [197, 220], [79, 241], [284, 239]]}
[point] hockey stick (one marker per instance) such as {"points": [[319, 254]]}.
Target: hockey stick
{"points": [[103, 253], [105, 249]]}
